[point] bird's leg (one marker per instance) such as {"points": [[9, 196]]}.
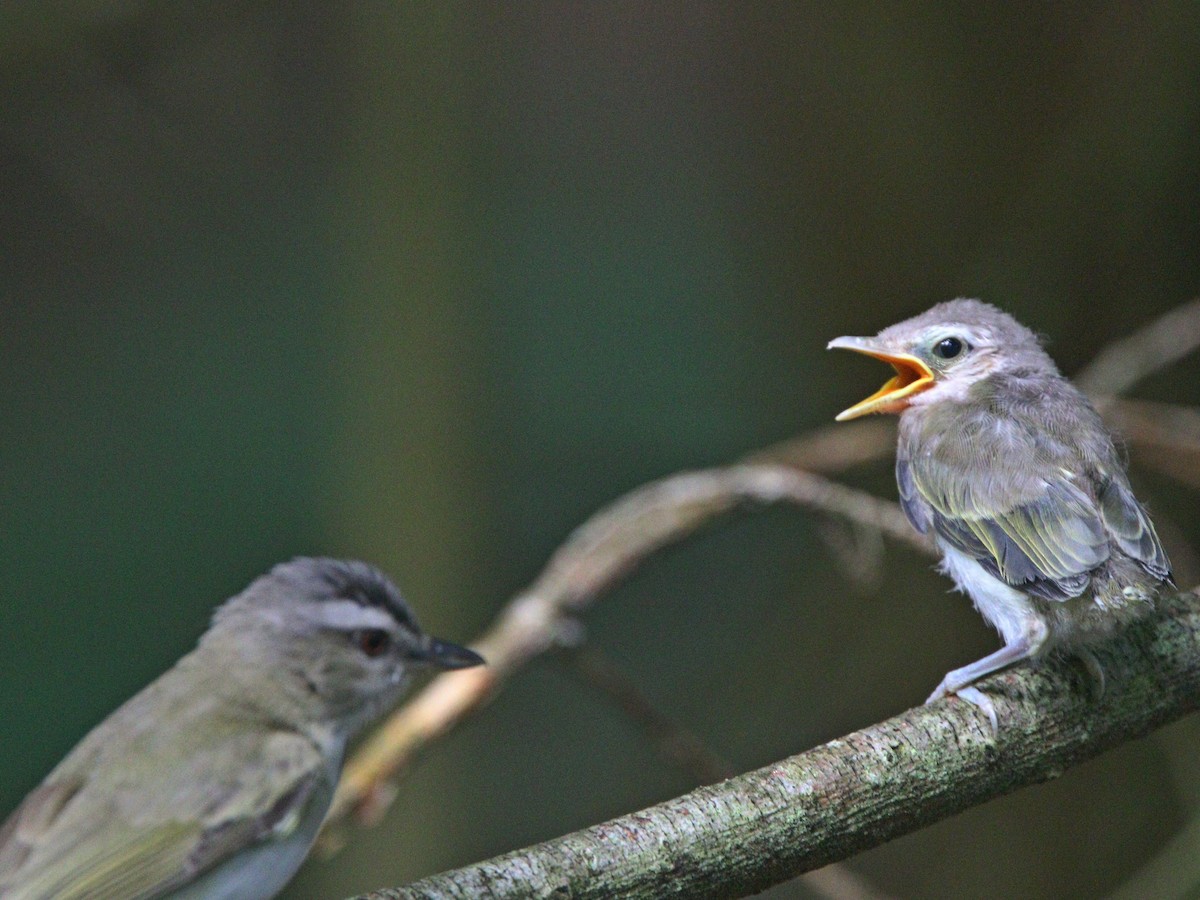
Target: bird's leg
{"points": [[1025, 644], [958, 679]]}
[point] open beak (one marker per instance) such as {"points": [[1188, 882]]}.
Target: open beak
{"points": [[912, 377]]}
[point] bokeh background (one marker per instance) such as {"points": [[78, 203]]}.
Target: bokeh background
{"points": [[427, 284]]}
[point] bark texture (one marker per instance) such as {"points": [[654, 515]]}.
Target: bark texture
{"points": [[745, 834]]}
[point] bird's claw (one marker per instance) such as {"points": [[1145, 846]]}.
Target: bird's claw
{"points": [[983, 703], [1094, 670], [972, 695]]}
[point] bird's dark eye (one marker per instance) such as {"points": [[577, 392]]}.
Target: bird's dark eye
{"points": [[372, 641], [948, 348]]}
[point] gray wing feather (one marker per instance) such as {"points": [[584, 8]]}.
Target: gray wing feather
{"points": [[1034, 512], [1126, 520], [914, 507]]}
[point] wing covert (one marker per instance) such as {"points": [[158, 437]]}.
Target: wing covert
{"points": [[112, 852]]}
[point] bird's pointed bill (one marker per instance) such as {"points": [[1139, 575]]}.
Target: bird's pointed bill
{"points": [[912, 376], [446, 655]]}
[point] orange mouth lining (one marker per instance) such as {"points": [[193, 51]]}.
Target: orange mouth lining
{"points": [[906, 374], [912, 376]]}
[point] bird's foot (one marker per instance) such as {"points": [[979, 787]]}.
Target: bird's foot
{"points": [[972, 695], [984, 704], [939, 692]]}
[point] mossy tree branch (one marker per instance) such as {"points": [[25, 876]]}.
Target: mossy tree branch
{"points": [[767, 826]]}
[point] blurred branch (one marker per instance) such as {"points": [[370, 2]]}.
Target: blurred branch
{"points": [[672, 741], [686, 751], [833, 448], [594, 558], [1154, 346], [857, 792], [1165, 436], [613, 542]]}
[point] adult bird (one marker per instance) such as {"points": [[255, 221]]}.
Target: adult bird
{"points": [[213, 781], [1009, 468]]}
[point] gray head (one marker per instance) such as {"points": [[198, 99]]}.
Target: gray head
{"points": [[940, 353], [337, 632]]}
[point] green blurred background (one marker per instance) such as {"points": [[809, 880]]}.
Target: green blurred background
{"points": [[427, 284]]}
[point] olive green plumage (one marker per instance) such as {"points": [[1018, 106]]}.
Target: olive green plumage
{"points": [[212, 781], [160, 804]]}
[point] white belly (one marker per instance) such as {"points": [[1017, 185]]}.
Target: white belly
{"points": [[1006, 609]]}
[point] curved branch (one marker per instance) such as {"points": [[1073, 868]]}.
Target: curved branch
{"points": [[1154, 346], [593, 559], [758, 829], [615, 540]]}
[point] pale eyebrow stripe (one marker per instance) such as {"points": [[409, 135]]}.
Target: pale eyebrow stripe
{"points": [[345, 615]]}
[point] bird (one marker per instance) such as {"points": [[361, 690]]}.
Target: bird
{"points": [[213, 780], [1008, 467]]}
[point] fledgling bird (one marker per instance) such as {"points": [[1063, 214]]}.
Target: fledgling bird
{"points": [[1011, 471], [213, 781]]}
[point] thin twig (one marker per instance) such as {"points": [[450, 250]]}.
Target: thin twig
{"points": [[594, 558], [1163, 436], [672, 741], [831, 449], [685, 750], [614, 541], [1154, 346]]}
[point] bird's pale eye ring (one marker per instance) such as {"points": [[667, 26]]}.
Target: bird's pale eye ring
{"points": [[948, 348], [372, 642]]}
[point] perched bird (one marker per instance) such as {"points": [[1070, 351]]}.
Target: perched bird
{"points": [[1011, 471], [213, 781]]}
